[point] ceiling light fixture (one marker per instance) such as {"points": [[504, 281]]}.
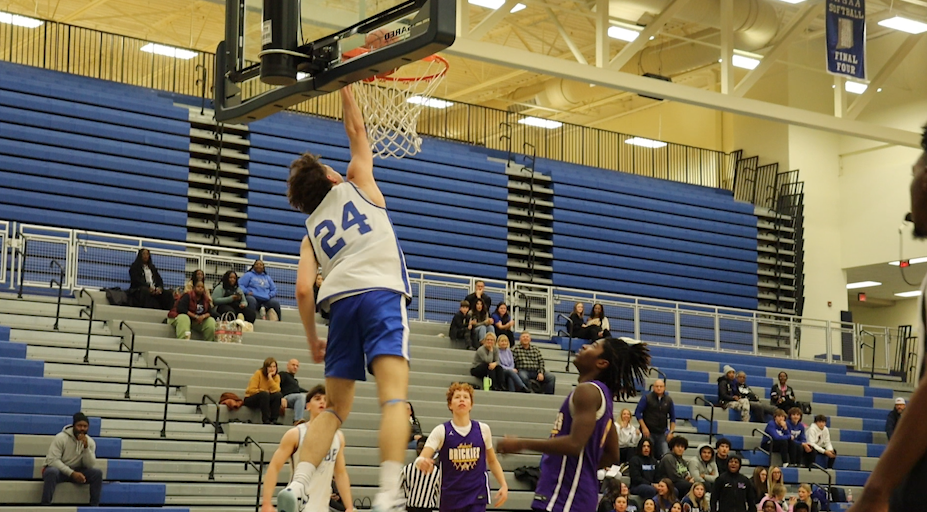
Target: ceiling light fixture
{"points": [[904, 25], [495, 4], [912, 261], [645, 143], [862, 284], [855, 87], [168, 51], [915, 293], [740, 61], [540, 123], [19, 21], [622, 33], [429, 102]]}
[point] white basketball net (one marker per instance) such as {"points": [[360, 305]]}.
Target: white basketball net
{"points": [[389, 115]]}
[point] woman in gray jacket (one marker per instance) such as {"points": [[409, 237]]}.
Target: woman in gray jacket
{"points": [[486, 363], [230, 298]]}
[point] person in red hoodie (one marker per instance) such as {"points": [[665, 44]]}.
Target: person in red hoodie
{"points": [[193, 314]]}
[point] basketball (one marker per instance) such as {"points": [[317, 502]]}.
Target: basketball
{"points": [[376, 39]]}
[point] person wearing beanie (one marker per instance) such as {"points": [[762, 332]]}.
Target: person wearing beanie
{"points": [[733, 492], [71, 458], [703, 468], [892, 419], [729, 396]]}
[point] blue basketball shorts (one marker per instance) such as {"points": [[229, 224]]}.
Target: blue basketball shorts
{"points": [[362, 328]]}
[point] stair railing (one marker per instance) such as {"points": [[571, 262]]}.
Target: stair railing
{"points": [[259, 468], [60, 283], [167, 390]]}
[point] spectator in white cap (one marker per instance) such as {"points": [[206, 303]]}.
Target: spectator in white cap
{"points": [[729, 396], [893, 416]]}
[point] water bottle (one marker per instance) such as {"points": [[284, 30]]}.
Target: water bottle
{"points": [[850, 495]]}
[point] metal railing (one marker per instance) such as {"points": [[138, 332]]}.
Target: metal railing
{"points": [[131, 348], [216, 428], [711, 420], [87, 310], [60, 282], [167, 390], [258, 467], [92, 53]]}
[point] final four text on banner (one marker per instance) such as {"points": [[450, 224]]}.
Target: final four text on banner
{"points": [[846, 38]]}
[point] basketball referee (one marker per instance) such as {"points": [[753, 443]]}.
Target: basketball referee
{"points": [[421, 489], [900, 477]]}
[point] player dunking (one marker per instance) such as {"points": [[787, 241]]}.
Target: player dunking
{"points": [[584, 437], [366, 289]]}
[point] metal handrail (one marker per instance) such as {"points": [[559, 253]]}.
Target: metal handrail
{"points": [[88, 310], [216, 428], [767, 436], [60, 283], [830, 480], [260, 470], [569, 347], [517, 293], [22, 265], [659, 372], [711, 428], [131, 348], [872, 346], [167, 391]]}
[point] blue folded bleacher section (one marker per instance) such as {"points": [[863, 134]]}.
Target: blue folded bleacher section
{"points": [[651, 238], [32, 408], [84, 153], [448, 203]]}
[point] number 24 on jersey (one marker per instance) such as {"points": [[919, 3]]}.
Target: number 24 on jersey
{"points": [[350, 217]]}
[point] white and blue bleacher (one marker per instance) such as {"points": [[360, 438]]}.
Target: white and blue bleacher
{"points": [[83, 153]]}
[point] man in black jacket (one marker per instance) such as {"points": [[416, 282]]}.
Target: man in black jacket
{"points": [[294, 397], [893, 416], [459, 331], [479, 293], [656, 414], [733, 492]]}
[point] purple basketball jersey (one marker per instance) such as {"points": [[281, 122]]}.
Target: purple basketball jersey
{"points": [[464, 483], [570, 484]]}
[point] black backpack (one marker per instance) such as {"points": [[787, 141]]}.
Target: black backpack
{"points": [[528, 474], [117, 296]]}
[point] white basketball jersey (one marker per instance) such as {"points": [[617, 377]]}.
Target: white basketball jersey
{"points": [[320, 490], [356, 246]]}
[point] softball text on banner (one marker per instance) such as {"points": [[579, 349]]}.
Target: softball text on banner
{"points": [[846, 38]]}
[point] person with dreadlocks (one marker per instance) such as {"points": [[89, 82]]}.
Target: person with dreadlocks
{"points": [[584, 437]]}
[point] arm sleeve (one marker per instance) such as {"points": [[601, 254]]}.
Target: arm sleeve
{"points": [[694, 470], [183, 304], [275, 384], [724, 391], [639, 411], [890, 425], [254, 385], [436, 438], [540, 360], [672, 411], [89, 457], [218, 296], [634, 469], [605, 324], [487, 434], [53, 458], [814, 436], [136, 278], [245, 281], [826, 438], [273, 287]]}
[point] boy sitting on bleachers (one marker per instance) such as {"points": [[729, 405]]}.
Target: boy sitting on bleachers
{"points": [[818, 437], [459, 331]]}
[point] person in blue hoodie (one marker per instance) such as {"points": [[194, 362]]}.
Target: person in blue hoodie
{"points": [[260, 290], [781, 438], [799, 442]]}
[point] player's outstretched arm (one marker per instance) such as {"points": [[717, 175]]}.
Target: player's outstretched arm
{"points": [[586, 401], [306, 273], [360, 169], [285, 450], [342, 481], [502, 495]]}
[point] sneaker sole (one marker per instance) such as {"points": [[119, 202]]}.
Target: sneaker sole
{"points": [[287, 502]]}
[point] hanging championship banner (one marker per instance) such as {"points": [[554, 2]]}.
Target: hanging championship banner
{"points": [[846, 38]]}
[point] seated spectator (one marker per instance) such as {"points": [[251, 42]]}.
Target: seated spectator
{"points": [[758, 409], [530, 365], [479, 292], [804, 496], [642, 469], [629, 435], [415, 432], [759, 481], [673, 466], [649, 505], [891, 421], [775, 496], [579, 328], [818, 437], [293, 396], [722, 450], [780, 438], [781, 395], [733, 491], [656, 414], [703, 468], [677, 507], [503, 322], [625, 492], [775, 477], [666, 494], [315, 293], [512, 381], [193, 314], [420, 490], [71, 458], [146, 288], [263, 392], [598, 318], [800, 441], [230, 298], [620, 504], [769, 506], [197, 275], [486, 363], [729, 396], [260, 291], [459, 331], [696, 500], [480, 324]]}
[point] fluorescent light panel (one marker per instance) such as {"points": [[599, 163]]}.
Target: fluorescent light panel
{"points": [[540, 123], [792, 1], [915, 293], [622, 34], [168, 51], [862, 284], [912, 261], [904, 25], [429, 102], [739, 61], [645, 143], [19, 21], [495, 4], [855, 87]]}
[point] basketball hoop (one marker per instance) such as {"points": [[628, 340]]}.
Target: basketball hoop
{"points": [[392, 101]]}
